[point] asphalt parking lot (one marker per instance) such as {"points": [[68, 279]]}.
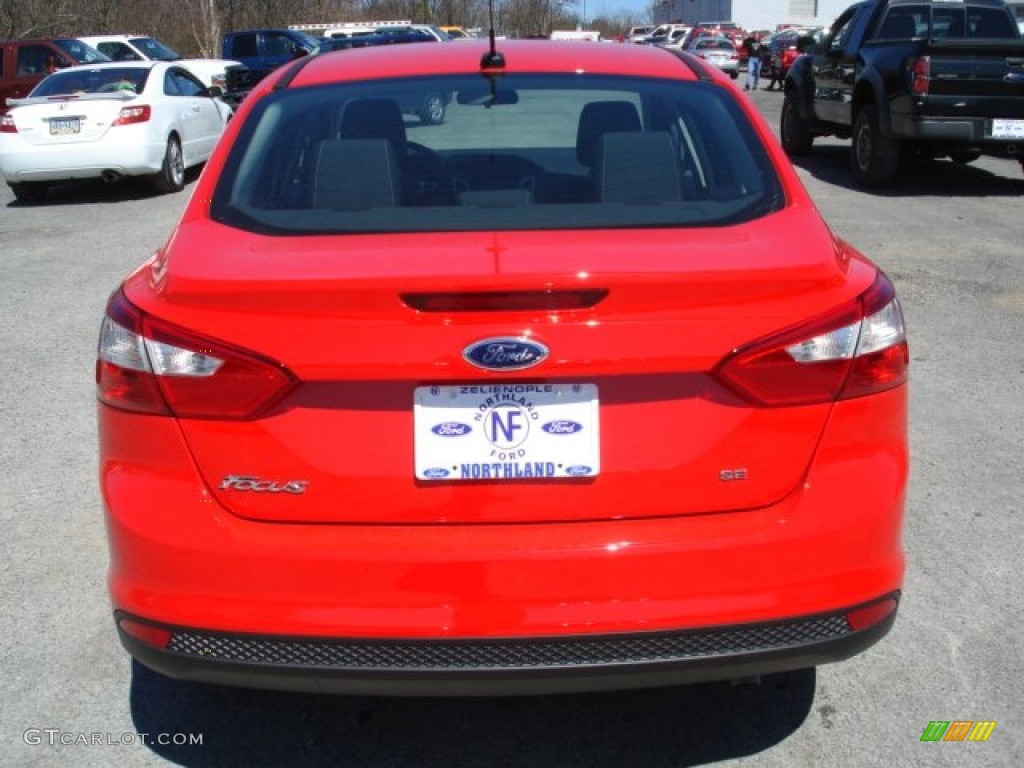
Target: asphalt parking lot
{"points": [[951, 239]]}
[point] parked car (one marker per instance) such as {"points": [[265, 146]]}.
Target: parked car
{"points": [[382, 37], [673, 37], [456, 33], [109, 121], [142, 48], [500, 407], [664, 33], [719, 51], [638, 34], [784, 48], [433, 30], [24, 63]]}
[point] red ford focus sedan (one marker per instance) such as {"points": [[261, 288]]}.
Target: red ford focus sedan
{"points": [[541, 398]]}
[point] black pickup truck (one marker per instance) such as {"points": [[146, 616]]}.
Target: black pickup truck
{"points": [[943, 78]]}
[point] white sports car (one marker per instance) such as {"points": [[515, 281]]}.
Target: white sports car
{"points": [[145, 118]]}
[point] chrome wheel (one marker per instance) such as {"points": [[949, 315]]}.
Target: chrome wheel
{"points": [[171, 176]]}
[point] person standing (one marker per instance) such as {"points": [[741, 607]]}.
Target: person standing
{"points": [[772, 74], [751, 46]]}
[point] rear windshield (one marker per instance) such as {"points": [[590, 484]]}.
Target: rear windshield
{"points": [[519, 152], [714, 45], [80, 80]]}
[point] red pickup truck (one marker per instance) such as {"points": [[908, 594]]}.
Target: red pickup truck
{"points": [[23, 63]]}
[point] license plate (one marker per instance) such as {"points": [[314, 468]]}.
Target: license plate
{"points": [[64, 126], [506, 432], [1007, 129]]}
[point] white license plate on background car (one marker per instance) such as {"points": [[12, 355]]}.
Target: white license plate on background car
{"points": [[506, 431], [64, 126], [1007, 129]]}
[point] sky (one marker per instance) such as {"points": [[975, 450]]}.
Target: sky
{"points": [[639, 8]]}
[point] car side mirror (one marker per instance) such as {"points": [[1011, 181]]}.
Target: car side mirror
{"points": [[214, 91]]}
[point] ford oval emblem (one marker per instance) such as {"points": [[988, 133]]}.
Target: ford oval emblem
{"points": [[504, 354], [562, 427], [436, 473], [451, 429], [578, 470]]}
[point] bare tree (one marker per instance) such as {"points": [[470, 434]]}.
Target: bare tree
{"points": [[204, 20], [37, 18], [195, 27]]}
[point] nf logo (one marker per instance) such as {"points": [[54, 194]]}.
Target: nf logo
{"points": [[508, 427], [958, 730]]}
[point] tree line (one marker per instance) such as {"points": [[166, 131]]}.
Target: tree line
{"points": [[194, 27]]}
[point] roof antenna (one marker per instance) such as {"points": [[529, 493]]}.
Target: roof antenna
{"points": [[492, 59]]}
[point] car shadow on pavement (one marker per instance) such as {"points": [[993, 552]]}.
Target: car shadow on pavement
{"points": [[686, 725], [88, 191], [917, 177]]}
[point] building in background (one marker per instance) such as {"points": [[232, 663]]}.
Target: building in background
{"points": [[764, 14], [751, 14]]}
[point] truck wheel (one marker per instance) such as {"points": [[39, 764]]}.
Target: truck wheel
{"points": [[796, 139], [171, 176], [29, 192], [431, 112], [875, 158]]}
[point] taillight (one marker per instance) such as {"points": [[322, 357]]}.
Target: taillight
{"points": [[132, 115], [7, 124], [151, 366], [922, 75], [855, 350]]}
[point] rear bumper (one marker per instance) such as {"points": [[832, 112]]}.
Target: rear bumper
{"points": [[126, 157], [481, 667], [180, 560], [964, 131]]}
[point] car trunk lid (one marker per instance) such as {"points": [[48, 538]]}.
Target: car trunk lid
{"points": [[380, 336], [67, 120]]}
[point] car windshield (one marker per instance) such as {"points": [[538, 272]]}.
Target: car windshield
{"points": [[307, 41], [517, 152], [80, 52], [81, 80], [154, 49]]}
